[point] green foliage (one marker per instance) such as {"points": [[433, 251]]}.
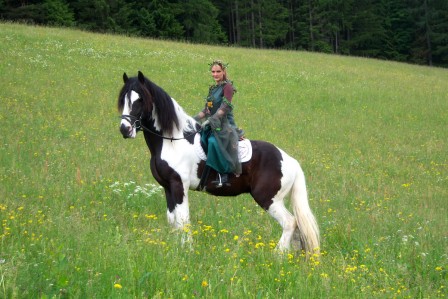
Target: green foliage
{"points": [[91, 14], [411, 30], [58, 13], [81, 218], [439, 29], [165, 21], [199, 19]]}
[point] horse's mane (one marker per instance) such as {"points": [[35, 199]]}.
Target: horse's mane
{"points": [[154, 97]]}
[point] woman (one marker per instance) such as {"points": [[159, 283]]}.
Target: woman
{"points": [[220, 134]]}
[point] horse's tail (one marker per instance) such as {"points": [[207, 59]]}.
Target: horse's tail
{"points": [[307, 225]]}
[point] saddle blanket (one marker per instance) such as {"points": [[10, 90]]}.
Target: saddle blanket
{"points": [[244, 149]]}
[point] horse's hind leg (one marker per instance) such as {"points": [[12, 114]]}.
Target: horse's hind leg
{"points": [[271, 199], [286, 220]]}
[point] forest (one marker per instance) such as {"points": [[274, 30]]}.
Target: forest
{"points": [[412, 31]]}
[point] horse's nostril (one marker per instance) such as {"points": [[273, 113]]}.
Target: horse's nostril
{"points": [[125, 130]]}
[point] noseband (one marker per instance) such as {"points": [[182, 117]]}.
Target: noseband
{"points": [[138, 126]]}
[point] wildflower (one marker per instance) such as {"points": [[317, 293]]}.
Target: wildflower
{"points": [[152, 216], [207, 228], [186, 228], [438, 268], [258, 245], [204, 284], [118, 286], [236, 237]]}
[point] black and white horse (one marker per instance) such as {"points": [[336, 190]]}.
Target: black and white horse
{"points": [[269, 176]]}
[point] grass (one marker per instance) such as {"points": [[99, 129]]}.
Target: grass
{"points": [[82, 217]]}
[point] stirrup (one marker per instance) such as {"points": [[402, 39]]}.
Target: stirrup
{"points": [[222, 180]]}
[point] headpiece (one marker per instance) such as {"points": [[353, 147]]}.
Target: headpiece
{"points": [[221, 63]]}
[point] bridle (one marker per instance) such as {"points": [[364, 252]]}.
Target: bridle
{"points": [[138, 126]]}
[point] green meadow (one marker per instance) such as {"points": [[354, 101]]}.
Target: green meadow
{"points": [[82, 217]]}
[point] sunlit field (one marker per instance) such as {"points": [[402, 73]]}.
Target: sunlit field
{"points": [[82, 217]]}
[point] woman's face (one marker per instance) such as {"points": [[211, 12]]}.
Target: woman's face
{"points": [[217, 73]]}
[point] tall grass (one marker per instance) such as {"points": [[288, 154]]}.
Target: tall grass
{"points": [[82, 216]]}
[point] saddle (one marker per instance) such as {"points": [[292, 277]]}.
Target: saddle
{"points": [[244, 149]]}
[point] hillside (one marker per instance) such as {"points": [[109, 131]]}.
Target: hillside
{"points": [[370, 135]]}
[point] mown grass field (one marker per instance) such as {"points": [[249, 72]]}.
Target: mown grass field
{"points": [[82, 217]]}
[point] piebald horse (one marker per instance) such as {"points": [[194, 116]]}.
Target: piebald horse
{"points": [[269, 176]]}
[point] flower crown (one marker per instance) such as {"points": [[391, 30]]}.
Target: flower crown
{"points": [[221, 63]]}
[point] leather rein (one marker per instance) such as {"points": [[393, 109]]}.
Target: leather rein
{"points": [[140, 127]]}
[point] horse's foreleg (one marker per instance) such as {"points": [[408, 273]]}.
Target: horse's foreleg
{"points": [[178, 212], [286, 221], [181, 215]]}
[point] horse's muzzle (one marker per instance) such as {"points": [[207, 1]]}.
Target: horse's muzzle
{"points": [[126, 131]]}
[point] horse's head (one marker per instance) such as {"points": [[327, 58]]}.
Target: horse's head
{"points": [[145, 105], [134, 102]]}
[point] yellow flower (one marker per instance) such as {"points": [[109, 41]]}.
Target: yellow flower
{"points": [[258, 245], [118, 286], [235, 237], [204, 284]]}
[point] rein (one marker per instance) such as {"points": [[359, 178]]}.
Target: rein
{"points": [[139, 126]]}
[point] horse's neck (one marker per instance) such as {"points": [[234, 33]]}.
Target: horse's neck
{"points": [[186, 124], [185, 121]]}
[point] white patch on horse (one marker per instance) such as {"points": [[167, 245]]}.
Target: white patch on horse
{"points": [[180, 154], [127, 108], [182, 214], [277, 209], [179, 218]]}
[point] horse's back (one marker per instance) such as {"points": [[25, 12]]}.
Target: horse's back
{"points": [[267, 154], [272, 162]]}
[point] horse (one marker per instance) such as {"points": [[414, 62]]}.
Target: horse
{"points": [[269, 176]]}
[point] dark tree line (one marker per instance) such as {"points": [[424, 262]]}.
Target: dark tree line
{"points": [[413, 31]]}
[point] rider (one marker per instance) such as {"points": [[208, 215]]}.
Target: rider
{"points": [[220, 134]]}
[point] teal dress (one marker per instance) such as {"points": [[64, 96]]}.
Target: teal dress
{"points": [[220, 139]]}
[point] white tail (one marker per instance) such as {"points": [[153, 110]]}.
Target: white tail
{"points": [[307, 225]]}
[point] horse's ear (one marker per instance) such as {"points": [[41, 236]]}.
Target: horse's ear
{"points": [[141, 77], [125, 78]]}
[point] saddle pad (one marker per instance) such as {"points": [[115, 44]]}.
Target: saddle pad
{"points": [[244, 149]]}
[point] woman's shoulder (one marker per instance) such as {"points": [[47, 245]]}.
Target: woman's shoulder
{"points": [[229, 85]]}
